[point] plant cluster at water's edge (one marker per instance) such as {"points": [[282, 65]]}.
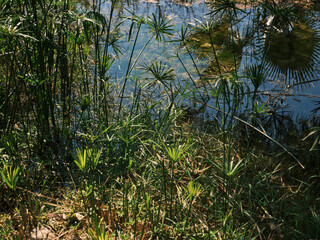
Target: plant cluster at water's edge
{"points": [[101, 140]]}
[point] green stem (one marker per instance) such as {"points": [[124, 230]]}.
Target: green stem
{"points": [[214, 52], [129, 70]]}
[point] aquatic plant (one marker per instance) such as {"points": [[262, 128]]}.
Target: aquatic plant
{"points": [[207, 27], [281, 15], [160, 28], [230, 7], [257, 76]]}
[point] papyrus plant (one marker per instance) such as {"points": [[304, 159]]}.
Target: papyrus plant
{"points": [[87, 159]]}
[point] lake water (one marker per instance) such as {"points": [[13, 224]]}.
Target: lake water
{"points": [[290, 60]]}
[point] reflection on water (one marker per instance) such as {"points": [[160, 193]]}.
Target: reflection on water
{"points": [[290, 60], [294, 56], [294, 52]]}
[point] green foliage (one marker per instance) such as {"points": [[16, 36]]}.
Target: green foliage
{"points": [[160, 72], [160, 26], [314, 131], [283, 13], [177, 152], [87, 159], [7, 230], [98, 232], [193, 189], [224, 6], [10, 176], [256, 75], [259, 109]]}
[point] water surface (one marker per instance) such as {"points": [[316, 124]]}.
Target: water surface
{"points": [[291, 62]]}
